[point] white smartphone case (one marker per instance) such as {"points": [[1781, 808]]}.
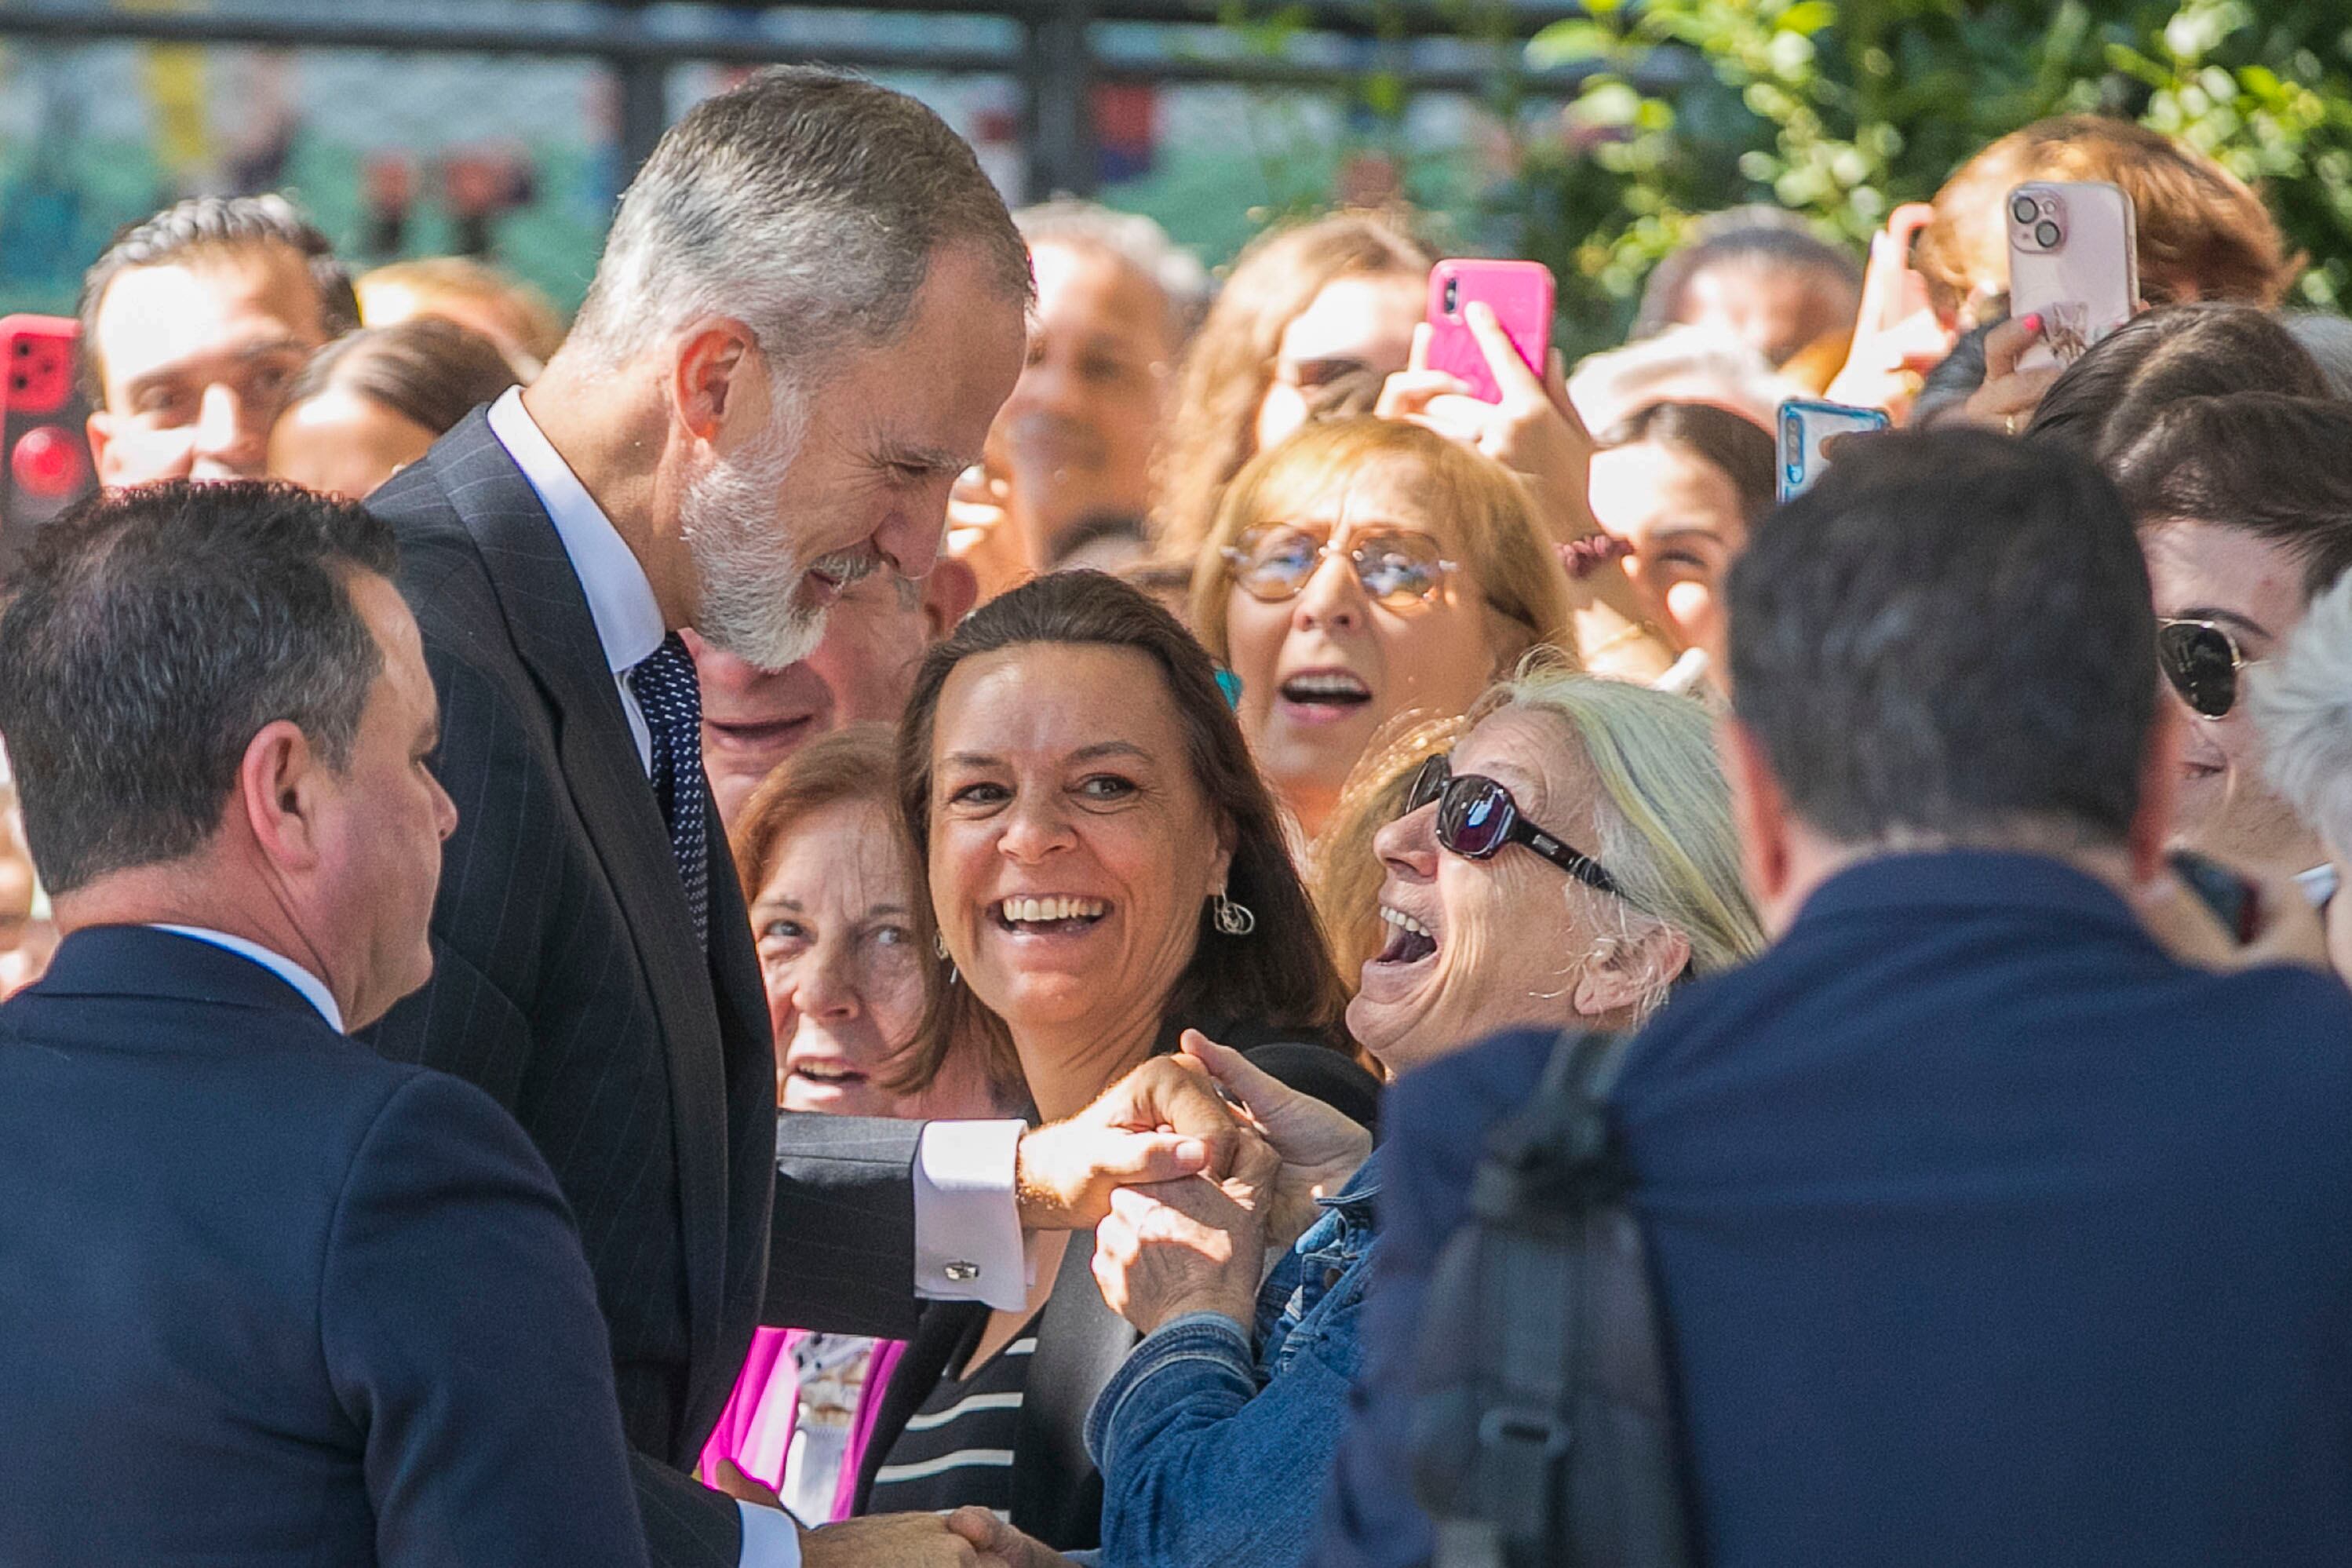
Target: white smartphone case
{"points": [[2073, 259]]}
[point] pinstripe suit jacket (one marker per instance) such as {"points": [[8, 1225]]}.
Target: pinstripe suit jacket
{"points": [[568, 984]]}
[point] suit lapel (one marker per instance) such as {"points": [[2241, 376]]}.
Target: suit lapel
{"points": [[547, 615], [1080, 1342]]}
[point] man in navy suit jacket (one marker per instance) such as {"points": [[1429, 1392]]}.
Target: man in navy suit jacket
{"points": [[265, 1297], [1985, 1231]]}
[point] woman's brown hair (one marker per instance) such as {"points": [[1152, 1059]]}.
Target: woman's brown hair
{"points": [[430, 372], [1213, 430], [1281, 974], [1734, 446], [851, 765], [2102, 402], [2203, 233]]}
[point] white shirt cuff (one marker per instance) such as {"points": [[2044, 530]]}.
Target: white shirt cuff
{"points": [[967, 1222], [771, 1539]]}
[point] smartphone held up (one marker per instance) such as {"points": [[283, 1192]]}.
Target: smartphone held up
{"points": [[2074, 260], [1807, 427], [1520, 293]]}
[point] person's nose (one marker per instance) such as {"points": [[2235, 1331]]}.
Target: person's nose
{"points": [[1332, 598], [908, 539], [1035, 828], [445, 810], [825, 984], [1049, 385], [1408, 846], [230, 431]]}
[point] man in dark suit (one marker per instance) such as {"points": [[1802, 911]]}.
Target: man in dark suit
{"points": [[810, 306], [1985, 1231], [265, 1297]]}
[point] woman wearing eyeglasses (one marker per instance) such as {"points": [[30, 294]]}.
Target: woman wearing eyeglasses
{"points": [[1565, 867], [1364, 568]]}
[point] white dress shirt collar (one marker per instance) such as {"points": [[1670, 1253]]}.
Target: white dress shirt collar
{"points": [[620, 597], [313, 989]]}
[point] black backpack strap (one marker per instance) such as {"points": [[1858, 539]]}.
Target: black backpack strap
{"points": [[1545, 1435]]}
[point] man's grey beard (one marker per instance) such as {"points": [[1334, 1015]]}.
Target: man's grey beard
{"points": [[752, 579]]}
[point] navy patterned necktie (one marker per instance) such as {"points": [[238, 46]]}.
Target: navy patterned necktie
{"points": [[672, 702]]}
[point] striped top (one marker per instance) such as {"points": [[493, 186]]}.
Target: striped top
{"points": [[957, 1448]]}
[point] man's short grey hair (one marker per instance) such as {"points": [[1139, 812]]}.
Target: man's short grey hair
{"points": [[805, 203], [1133, 238], [2303, 703]]}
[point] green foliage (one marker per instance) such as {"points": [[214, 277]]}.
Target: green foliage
{"points": [[1840, 109]]}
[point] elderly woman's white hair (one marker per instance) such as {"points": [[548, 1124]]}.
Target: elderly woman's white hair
{"points": [[1681, 364], [2303, 702], [1664, 816]]}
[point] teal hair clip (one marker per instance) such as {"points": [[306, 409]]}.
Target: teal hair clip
{"points": [[1231, 685]]}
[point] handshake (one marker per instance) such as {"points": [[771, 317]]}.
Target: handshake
{"points": [[1191, 1170]]}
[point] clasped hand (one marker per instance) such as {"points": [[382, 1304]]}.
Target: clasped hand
{"points": [[1199, 1243]]}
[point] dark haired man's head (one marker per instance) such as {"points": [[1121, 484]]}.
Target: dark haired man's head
{"points": [[1948, 642], [218, 715], [194, 323], [1757, 275], [2105, 400], [2244, 507]]}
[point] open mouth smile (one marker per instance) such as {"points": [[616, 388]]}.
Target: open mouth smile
{"points": [[1409, 942], [1059, 915], [1322, 696]]}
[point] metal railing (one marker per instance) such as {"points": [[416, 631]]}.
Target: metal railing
{"points": [[1056, 59]]}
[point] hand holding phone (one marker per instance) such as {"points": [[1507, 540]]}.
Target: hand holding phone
{"points": [[1807, 427], [2223, 918], [1520, 293], [1527, 424], [2074, 261], [1898, 337]]}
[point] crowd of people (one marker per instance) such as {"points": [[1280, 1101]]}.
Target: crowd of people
{"points": [[874, 907]]}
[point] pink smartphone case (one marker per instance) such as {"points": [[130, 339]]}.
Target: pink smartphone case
{"points": [[1520, 294], [2087, 285]]}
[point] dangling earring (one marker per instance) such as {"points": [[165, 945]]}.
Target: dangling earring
{"points": [[940, 946], [1230, 918]]}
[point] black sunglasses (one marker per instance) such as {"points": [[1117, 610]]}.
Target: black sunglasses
{"points": [[2201, 660], [1476, 817]]}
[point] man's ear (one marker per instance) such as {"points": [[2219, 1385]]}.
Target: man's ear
{"points": [[1759, 811], [709, 369], [279, 791], [2159, 789], [100, 428], [949, 594]]}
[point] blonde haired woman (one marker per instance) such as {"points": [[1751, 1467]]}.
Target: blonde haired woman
{"points": [[1566, 866], [1364, 569]]}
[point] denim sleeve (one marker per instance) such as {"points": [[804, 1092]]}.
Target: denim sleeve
{"points": [[1184, 1420], [1436, 1122]]}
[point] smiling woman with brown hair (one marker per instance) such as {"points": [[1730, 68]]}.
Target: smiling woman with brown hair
{"points": [[1106, 870]]}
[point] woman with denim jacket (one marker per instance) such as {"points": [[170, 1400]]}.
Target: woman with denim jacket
{"points": [[1571, 860]]}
